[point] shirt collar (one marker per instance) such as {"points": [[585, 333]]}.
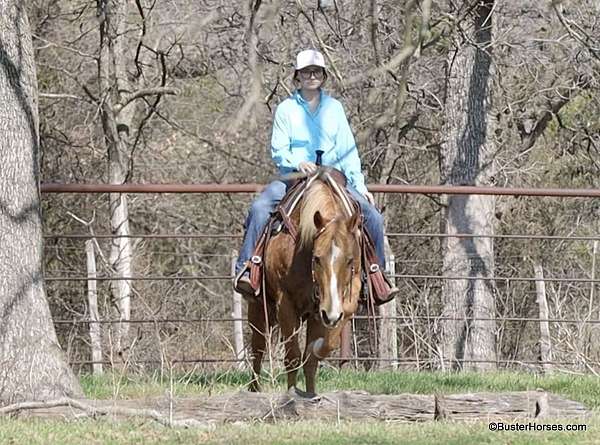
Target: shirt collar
{"points": [[304, 103]]}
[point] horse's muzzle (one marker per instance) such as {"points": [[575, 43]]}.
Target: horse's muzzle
{"points": [[331, 320]]}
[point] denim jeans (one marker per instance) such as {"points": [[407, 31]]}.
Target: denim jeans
{"points": [[265, 204]]}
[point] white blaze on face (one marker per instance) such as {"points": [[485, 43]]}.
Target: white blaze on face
{"points": [[335, 308]]}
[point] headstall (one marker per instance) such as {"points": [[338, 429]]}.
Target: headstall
{"points": [[316, 293]]}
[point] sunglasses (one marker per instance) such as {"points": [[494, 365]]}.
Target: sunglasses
{"points": [[307, 74]]}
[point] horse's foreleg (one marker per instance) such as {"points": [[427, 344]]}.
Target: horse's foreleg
{"points": [[315, 333], [258, 342], [320, 341], [289, 323]]}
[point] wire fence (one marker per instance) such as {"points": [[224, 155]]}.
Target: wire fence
{"points": [[412, 329], [411, 319]]}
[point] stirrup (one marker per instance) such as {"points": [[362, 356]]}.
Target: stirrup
{"points": [[393, 293], [242, 285]]}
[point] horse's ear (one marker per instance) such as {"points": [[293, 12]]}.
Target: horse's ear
{"points": [[318, 220], [353, 221]]}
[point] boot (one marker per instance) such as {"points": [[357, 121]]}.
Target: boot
{"points": [[242, 285]]}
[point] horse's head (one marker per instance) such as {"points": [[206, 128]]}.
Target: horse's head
{"points": [[336, 267]]}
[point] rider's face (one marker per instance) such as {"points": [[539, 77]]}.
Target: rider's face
{"points": [[311, 77]]}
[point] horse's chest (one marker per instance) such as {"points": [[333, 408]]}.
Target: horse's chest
{"points": [[302, 302]]}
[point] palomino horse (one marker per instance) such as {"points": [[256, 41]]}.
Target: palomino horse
{"points": [[316, 279]]}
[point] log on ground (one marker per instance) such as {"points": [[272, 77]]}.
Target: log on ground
{"points": [[338, 405]]}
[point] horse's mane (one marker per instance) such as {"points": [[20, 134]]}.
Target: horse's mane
{"points": [[318, 197]]}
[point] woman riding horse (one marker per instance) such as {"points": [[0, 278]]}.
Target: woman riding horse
{"points": [[313, 276], [305, 122]]}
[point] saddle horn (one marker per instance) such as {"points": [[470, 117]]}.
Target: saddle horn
{"points": [[319, 160]]}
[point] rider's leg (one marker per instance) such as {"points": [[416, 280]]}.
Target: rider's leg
{"points": [[257, 218], [373, 223]]}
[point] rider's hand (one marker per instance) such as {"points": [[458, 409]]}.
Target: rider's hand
{"points": [[308, 168], [370, 197]]}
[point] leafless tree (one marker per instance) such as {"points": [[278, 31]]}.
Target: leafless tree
{"points": [[32, 364], [467, 158]]}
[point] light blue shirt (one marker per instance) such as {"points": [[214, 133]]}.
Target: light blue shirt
{"points": [[298, 134]]}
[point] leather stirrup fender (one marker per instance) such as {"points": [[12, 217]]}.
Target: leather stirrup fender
{"points": [[379, 283]]}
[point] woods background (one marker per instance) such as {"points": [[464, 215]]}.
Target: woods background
{"points": [[494, 93]]}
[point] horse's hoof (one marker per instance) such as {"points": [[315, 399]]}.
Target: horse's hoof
{"points": [[304, 394]]}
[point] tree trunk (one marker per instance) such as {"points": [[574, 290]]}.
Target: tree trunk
{"points": [[116, 122], [467, 159], [32, 364]]}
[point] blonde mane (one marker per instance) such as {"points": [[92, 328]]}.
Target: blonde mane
{"points": [[318, 197]]}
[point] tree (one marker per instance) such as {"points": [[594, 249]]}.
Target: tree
{"points": [[120, 90], [32, 364], [113, 83], [467, 158]]}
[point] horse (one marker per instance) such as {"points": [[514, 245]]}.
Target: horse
{"points": [[316, 279]]}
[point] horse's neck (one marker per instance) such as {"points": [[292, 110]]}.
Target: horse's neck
{"points": [[328, 204], [318, 197]]}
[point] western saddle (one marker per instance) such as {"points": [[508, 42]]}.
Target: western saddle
{"points": [[376, 287]]}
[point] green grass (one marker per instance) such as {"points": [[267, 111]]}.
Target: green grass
{"points": [[114, 385], [585, 389], [382, 433], [35, 431], [90, 432]]}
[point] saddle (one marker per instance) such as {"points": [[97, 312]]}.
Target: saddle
{"points": [[376, 287]]}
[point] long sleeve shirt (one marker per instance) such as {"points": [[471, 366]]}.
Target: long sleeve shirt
{"points": [[298, 134]]}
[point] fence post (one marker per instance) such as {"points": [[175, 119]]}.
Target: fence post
{"points": [[591, 330], [545, 345], [388, 326], [236, 313], [346, 344], [593, 287], [95, 336]]}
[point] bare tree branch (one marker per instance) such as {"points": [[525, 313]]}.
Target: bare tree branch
{"points": [[156, 91], [95, 411], [564, 97]]}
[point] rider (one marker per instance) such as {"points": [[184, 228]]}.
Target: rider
{"points": [[307, 121]]}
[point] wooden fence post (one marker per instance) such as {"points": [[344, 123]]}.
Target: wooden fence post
{"points": [[236, 313], [545, 344], [95, 335], [591, 331], [388, 327]]}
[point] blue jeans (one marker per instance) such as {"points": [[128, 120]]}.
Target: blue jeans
{"points": [[267, 201]]}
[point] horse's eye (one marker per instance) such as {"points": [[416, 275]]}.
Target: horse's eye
{"points": [[317, 260], [349, 261]]}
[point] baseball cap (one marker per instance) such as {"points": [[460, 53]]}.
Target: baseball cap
{"points": [[309, 57]]}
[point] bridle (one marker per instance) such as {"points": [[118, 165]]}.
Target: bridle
{"points": [[316, 291]]}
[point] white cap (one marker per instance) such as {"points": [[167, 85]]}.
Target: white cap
{"points": [[309, 57]]}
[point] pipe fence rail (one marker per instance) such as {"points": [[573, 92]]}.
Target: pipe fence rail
{"points": [[389, 235], [400, 276], [399, 361], [375, 188], [419, 318]]}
